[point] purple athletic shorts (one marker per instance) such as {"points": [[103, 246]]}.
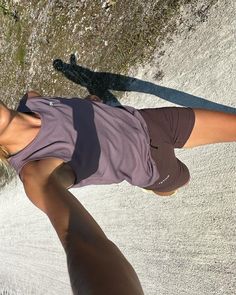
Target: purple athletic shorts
{"points": [[169, 128]]}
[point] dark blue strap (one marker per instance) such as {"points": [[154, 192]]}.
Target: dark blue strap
{"points": [[22, 107]]}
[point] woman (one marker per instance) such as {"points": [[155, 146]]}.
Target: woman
{"points": [[58, 143], [100, 144]]}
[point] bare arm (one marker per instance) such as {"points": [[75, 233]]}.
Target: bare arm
{"points": [[95, 265]]}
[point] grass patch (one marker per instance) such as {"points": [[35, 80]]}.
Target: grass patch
{"points": [[20, 54]]}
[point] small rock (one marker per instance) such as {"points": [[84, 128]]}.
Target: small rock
{"points": [[108, 3]]}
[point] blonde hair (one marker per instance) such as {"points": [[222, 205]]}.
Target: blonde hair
{"points": [[4, 154], [7, 174]]}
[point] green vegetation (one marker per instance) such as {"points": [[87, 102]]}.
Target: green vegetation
{"points": [[20, 54]]}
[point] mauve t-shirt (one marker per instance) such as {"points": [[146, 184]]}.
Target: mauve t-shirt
{"points": [[103, 144]]}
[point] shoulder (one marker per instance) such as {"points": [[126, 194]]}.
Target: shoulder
{"points": [[41, 168], [40, 172]]}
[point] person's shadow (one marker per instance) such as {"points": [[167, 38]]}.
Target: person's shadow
{"points": [[101, 84]]}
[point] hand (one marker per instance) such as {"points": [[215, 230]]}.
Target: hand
{"points": [[94, 98], [32, 93]]}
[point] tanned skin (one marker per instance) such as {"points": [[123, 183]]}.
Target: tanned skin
{"points": [[95, 264]]}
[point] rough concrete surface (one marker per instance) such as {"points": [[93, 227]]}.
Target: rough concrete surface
{"points": [[184, 244]]}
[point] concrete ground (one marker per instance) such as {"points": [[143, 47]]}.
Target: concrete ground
{"points": [[184, 244]]}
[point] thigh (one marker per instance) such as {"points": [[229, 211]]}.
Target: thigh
{"points": [[169, 128], [212, 127]]}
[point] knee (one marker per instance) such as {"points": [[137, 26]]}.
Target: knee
{"points": [[171, 193]]}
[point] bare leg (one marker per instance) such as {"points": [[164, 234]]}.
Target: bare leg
{"points": [[164, 194], [212, 127]]}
